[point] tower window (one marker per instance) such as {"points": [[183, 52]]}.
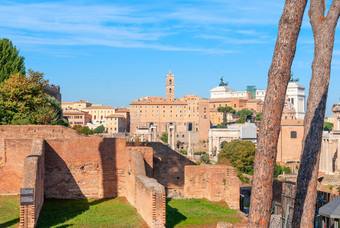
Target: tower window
{"points": [[170, 82], [170, 90], [293, 134]]}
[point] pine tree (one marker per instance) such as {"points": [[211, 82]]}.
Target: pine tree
{"points": [[10, 61]]}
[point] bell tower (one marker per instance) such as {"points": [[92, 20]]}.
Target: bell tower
{"points": [[170, 86]]}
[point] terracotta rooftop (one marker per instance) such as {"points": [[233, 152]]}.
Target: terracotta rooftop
{"points": [[71, 113], [114, 116], [82, 101], [99, 107], [122, 110]]}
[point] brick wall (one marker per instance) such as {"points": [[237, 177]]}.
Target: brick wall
{"points": [[33, 177], [169, 168], [146, 194], [147, 155], [213, 182], [77, 166]]}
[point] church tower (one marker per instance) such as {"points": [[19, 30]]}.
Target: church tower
{"points": [[170, 86]]}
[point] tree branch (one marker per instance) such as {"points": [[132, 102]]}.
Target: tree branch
{"points": [[316, 11], [334, 12]]}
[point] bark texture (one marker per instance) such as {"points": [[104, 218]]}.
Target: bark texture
{"points": [[323, 30], [278, 78]]}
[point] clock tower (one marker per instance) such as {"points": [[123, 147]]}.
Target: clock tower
{"points": [[170, 86]]}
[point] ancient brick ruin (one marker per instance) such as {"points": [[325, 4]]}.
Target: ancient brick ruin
{"points": [[58, 162]]}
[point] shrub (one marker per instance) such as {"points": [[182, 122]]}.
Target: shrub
{"points": [[240, 154], [164, 137]]}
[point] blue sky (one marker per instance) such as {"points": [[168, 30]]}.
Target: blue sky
{"points": [[112, 52]]}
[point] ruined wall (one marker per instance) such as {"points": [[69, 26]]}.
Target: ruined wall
{"points": [[146, 194], [213, 182], [147, 155], [169, 168], [76, 166], [33, 177]]}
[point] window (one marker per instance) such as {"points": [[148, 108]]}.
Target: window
{"points": [[293, 134], [292, 100]]}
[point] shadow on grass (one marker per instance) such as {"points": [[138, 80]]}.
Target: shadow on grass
{"points": [[173, 216], [10, 223], [59, 211]]}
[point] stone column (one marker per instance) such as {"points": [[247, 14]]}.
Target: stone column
{"points": [[210, 145], [330, 157], [173, 138], [154, 134], [327, 157], [169, 136], [321, 155], [218, 146], [338, 157]]}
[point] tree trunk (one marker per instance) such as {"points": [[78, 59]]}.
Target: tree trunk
{"points": [[324, 30], [278, 78]]}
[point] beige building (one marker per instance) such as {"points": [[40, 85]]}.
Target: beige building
{"points": [[99, 112], [170, 114], [115, 124], [289, 146], [78, 105], [77, 117], [330, 147], [216, 117]]}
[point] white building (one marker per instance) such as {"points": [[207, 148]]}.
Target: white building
{"points": [[248, 131], [295, 95]]}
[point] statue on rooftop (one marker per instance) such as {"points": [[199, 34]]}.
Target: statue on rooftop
{"points": [[222, 83], [293, 79]]}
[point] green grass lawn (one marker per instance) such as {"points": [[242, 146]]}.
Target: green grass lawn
{"points": [[89, 213], [9, 211], [74, 213], [117, 213], [198, 213]]}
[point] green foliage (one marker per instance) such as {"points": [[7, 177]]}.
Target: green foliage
{"points": [[164, 137], [327, 126], [245, 115], [185, 152], [23, 101], [99, 129], [10, 61], [242, 178], [280, 170], [223, 144], [63, 122], [224, 111], [205, 158], [84, 130], [200, 153], [240, 154], [219, 126], [258, 116], [198, 213]]}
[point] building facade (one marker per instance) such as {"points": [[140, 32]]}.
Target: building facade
{"points": [[170, 114], [295, 95], [115, 124], [77, 117], [330, 147], [78, 105]]}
